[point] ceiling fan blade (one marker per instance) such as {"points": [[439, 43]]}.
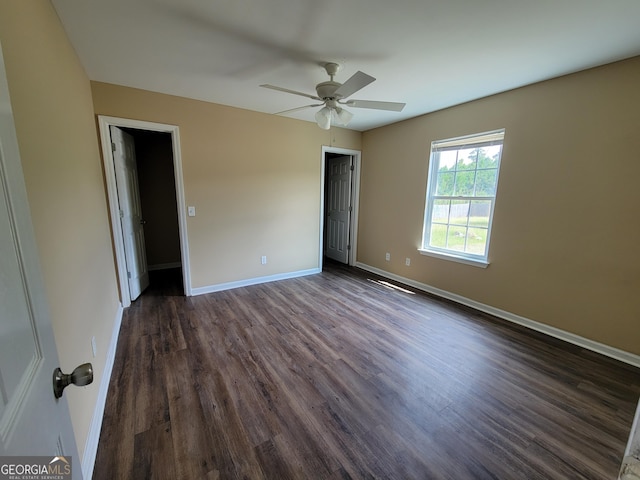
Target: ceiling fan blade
{"points": [[357, 81], [299, 108], [286, 90], [391, 106]]}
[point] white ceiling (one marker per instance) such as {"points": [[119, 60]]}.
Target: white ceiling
{"points": [[430, 54]]}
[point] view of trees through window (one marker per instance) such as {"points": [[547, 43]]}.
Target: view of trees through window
{"points": [[460, 209]]}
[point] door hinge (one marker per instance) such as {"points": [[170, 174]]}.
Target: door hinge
{"points": [[348, 247], [121, 214], [128, 274], [350, 208], [113, 147]]}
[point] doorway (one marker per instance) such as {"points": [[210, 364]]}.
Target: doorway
{"points": [[159, 177], [341, 189]]}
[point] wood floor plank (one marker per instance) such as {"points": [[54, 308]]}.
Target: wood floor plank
{"points": [[344, 375], [151, 403], [193, 458], [273, 462], [153, 453]]}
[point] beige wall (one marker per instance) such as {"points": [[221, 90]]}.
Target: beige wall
{"points": [[51, 100], [564, 247], [254, 178]]}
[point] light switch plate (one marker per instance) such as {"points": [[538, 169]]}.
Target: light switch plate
{"points": [[192, 211]]}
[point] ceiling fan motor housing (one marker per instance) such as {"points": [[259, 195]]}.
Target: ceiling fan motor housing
{"points": [[326, 90]]}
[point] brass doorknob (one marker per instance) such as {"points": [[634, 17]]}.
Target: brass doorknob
{"points": [[81, 376]]}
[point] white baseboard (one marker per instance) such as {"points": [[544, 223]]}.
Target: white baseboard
{"points": [[623, 356], [253, 281], [91, 445], [163, 266]]}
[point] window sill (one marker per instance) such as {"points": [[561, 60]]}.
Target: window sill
{"points": [[454, 258]]}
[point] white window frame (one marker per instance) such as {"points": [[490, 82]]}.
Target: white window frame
{"points": [[494, 137]]}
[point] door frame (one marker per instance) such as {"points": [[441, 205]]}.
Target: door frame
{"points": [[355, 201], [104, 123]]}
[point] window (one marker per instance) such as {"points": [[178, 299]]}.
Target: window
{"points": [[461, 193]]}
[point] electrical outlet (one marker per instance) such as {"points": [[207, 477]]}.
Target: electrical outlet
{"points": [[94, 347], [192, 211], [387, 256], [263, 260], [407, 261]]}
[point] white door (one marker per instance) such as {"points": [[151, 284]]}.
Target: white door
{"points": [[124, 158], [32, 421], [338, 208]]}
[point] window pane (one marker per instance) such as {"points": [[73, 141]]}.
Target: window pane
{"points": [[479, 212], [488, 156], [447, 160], [459, 214], [476, 241], [456, 238], [464, 183], [486, 182], [440, 213], [467, 158], [445, 183], [438, 236]]}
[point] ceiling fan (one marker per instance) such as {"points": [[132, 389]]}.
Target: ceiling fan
{"points": [[333, 96]]}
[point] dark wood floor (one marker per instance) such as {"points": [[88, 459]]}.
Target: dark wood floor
{"points": [[336, 376]]}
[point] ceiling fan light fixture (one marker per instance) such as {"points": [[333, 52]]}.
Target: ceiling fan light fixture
{"points": [[343, 116], [333, 94], [329, 113], [323, 118]]}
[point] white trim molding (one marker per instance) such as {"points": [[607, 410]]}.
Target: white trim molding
{"points": [[355, 199], [93, 437], [253, 281], [454, 258], [630, 468], [104, 122], [612, 352]]}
